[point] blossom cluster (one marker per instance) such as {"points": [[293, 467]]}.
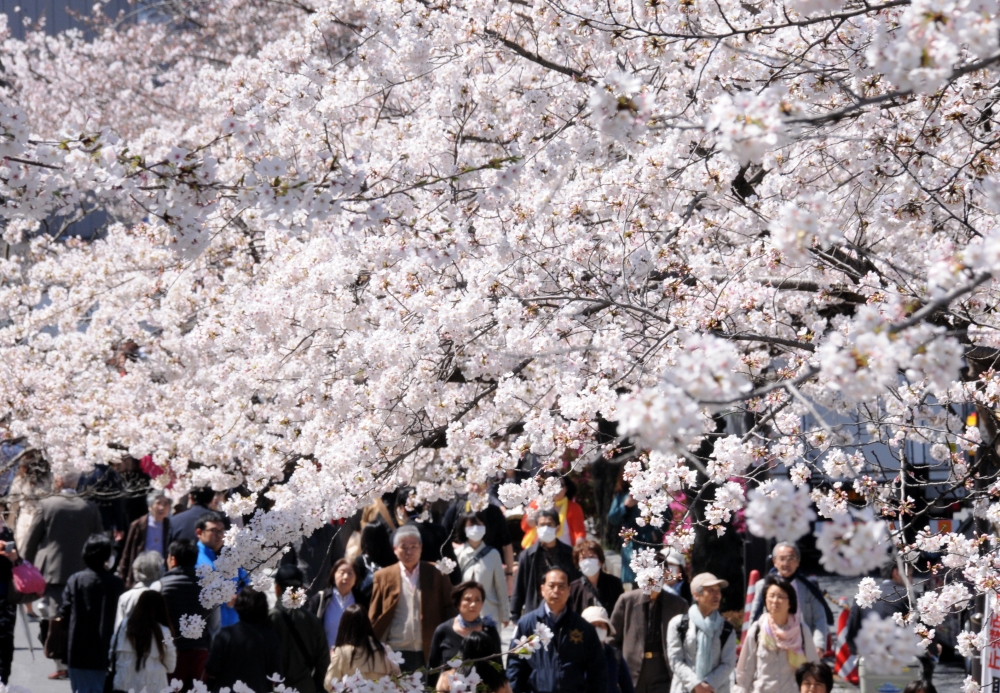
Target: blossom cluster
{"points": [[358, 245]]}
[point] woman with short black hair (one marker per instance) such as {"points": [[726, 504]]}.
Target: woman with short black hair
{"points": [[817, 677], [476, 649], [90, 600], [358, 650], [468, 598], [248, 650], [776, 645]]}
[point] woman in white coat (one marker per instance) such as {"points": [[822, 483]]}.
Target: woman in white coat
{"points": [[481, 563], [776, 644], [143, 648]]}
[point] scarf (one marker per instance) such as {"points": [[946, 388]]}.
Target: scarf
{"points": [[789, 638], [531, 536], [810, 585], [484, 621], [707, 629]]}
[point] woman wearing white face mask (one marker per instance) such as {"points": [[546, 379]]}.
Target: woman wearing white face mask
{"points": [[595, 588], [619, 678], [481, 563]]}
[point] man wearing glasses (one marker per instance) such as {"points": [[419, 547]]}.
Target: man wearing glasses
{"points": [[409, 601], [211, 532]]}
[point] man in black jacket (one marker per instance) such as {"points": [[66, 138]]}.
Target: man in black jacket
{"points": [[180, 590], [548, 552], [183, 524], [305, 654]]}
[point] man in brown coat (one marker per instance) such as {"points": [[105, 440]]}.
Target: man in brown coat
{"points": [[409, 601], [640, 624]]}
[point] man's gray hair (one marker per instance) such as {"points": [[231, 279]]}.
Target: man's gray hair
{"points": [[147, 567], [788, 545], [404, 532], [154, 496]]}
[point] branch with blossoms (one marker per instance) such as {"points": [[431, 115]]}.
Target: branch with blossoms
{"points": [[358, 247]]}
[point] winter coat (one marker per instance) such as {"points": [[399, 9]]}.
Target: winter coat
{"points": [[683, 654], [304, 660], [532, 565], [154, 674], [181, 591], [485, 566], [90, 601], [572, 663], [761, 670]]}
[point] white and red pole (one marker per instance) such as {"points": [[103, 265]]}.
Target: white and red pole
{"points": [[747, 610]]}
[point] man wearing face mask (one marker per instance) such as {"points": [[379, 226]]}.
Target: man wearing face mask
{"points": [[547, 553], [596, 587], [641, 623]]}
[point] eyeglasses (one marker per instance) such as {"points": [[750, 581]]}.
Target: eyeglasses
{"points": [[215, 530], [409, 547]]}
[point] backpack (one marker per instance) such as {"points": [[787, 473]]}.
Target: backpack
{"points": [[727, 630]]}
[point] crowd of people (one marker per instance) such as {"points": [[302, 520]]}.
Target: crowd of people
{"points": [[120, 584]]}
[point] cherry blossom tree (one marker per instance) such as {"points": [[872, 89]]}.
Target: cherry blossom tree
{"points": [[355, 245]]}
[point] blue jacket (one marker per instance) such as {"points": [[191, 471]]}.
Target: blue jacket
{"points": [[227, 614], [625, 518], [573, 662]]}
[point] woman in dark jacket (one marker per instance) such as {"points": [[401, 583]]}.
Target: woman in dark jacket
{"points": [[89, 604], [8, 609], [247, 651], [330, 604], [376, 553], [468, 599], [595, 588]]}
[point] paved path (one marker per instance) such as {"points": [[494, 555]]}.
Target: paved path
{"points": [[33, 673]]}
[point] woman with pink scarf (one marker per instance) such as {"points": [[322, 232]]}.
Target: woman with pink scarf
{"points": [[776, 644]]}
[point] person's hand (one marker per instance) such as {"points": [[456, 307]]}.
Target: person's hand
{"points": [[231, 603], [9, 555], [820, 652], [631, 502], [119, 535], [703, 688]]}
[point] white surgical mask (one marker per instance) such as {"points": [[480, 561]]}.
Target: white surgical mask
{"points": [[602, 634], [546, 533], [475, 532], [590, 566]]}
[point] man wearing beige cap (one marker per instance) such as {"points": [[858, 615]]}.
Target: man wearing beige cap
{"points": [[701, 645], [640, 623]]}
